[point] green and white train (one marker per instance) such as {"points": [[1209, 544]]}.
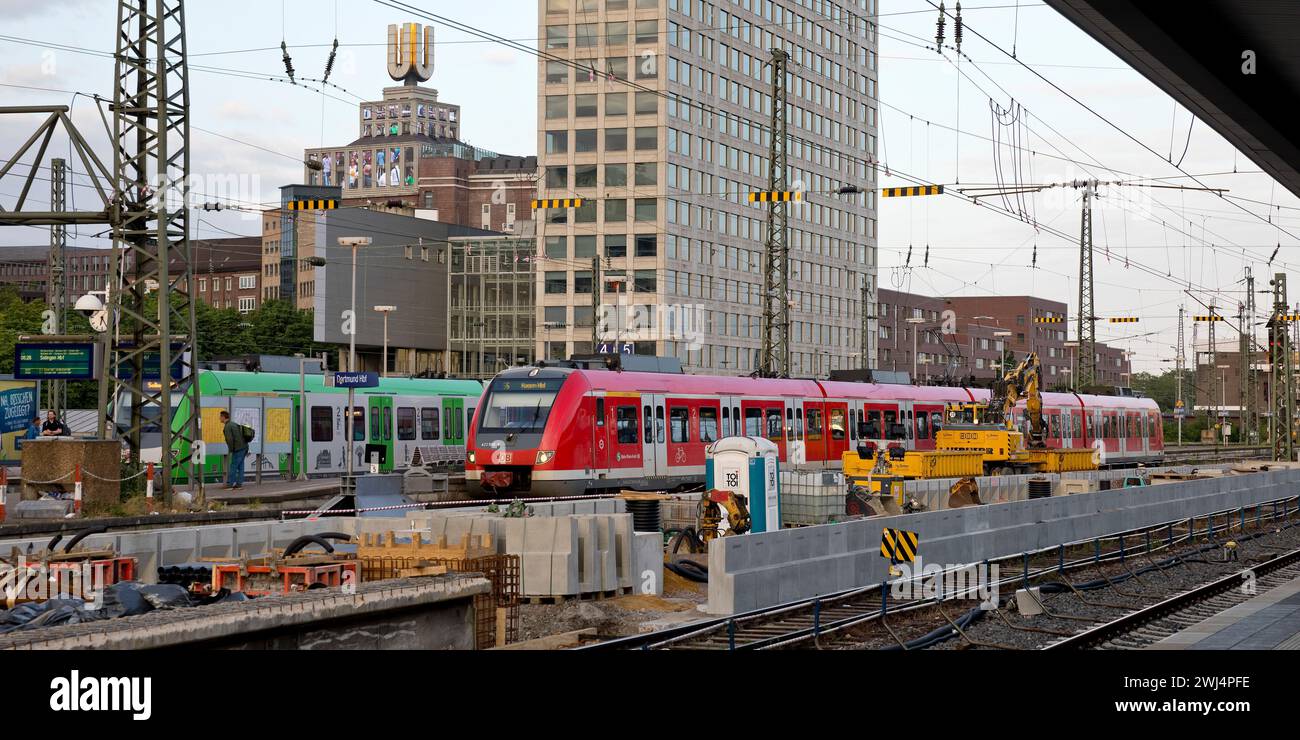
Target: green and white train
{"points": [[395, 421]]}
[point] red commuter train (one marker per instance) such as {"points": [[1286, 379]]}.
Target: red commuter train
{"points": [[549, 431]]}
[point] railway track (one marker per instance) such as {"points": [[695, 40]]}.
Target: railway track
{"points": [[872, 617], [1147, 626], [1189, 454]]}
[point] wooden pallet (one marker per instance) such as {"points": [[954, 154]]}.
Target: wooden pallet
{"points": [[385, 545]]}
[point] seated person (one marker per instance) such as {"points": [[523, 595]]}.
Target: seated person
{"points": [[54, 426]]}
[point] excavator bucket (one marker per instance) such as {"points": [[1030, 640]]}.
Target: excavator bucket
{"points": [[964, 492]]}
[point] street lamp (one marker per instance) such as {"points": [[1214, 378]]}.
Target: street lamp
{"points": [[915, 321], [1073, 362], [354, 242], [1223, 402], [385, 310]]}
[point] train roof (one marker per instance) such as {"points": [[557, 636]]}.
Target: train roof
{"points": [[631, 381], [936, 393], [229, 383]]}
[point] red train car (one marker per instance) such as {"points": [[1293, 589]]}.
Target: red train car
{"points": [[548, 431]]}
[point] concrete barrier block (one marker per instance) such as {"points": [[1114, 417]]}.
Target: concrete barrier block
{"points": [[216, 542], [252, 539], [646, 571], [584, 507], [837, 540], [588, 565], [564, 556], [511, 536], [143, 546], [178, 546], [606, 546], [623, 543]]}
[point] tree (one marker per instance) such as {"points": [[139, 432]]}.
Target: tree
{"points": [[1162, 387], [278, 328]]}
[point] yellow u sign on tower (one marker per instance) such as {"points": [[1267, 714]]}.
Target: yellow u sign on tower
{"points": [[410, 53]]}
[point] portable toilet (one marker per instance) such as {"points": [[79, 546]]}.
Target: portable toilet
{"points": [[747, 466]]}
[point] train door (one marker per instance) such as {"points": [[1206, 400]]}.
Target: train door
{"points": [[1136, 436], [814, 433], [453, 422], [623, 434], [602, 420], [837, 431], [381, 431], [922, 417], [654, 439]]}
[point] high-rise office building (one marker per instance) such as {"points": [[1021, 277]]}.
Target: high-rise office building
{"points": [[656, 113]]}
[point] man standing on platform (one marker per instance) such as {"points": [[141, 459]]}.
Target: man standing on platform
{"points": [[238, 446]]}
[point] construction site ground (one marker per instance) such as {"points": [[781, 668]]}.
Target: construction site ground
{"points": [[621, 615]]}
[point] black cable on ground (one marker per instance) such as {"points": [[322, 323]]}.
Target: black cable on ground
{"points": [[690, 570]]}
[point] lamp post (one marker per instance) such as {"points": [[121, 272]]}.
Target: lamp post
{"points": [[1074, 355], [385, 310], [354, 242], [915, 321], [1223, 404]]}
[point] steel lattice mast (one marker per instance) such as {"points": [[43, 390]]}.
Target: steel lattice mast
{"points": [[1279, 345], [775, 355], [1180, 362], [57, 295], [1087, 328], [1250, 409], [151, 252]]}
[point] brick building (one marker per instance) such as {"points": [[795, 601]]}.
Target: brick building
{"points": [[227, 272], [969, 343], [28, 270]]}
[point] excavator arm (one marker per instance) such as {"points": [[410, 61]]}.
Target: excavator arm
{"points": [[1020, 383]]}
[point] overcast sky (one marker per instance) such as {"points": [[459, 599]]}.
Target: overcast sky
{"points": [[256, 129]]}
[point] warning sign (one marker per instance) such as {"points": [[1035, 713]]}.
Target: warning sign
{"points": [[899, 545]]}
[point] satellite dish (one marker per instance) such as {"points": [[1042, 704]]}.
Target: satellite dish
{"points": [[99, 320]]}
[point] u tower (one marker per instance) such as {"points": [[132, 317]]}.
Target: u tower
{"points": [[656, 113]]}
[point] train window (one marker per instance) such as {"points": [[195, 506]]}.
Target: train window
{"points": [[446, 425], [1053, 426], [460, 425], [659, 424], [625, 424], [754, 422], [936, 421], [709, 425], [726, 421], [358, 424], [469, 415], [774, 424], [374, 424], [837, 424], [600, 412], [892, 430], [853, 424], [322, 424], [679, 421], [873, 426], [907, 425], [388, 423], [795, 430], [922, 426], [428, 423], [735, 419], [814, 425], [515, 406], [648, 425], [406, 423]]}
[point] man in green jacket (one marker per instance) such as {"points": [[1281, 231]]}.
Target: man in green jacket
{"points": [[234, 434]]}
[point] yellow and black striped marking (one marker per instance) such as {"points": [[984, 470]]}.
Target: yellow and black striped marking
{"points": [[311, 205], [1123, 319], [1049, 319], [1215, 317], [899, 545], [779, 196], [911, 190], [558, 203], [1290, 317]]}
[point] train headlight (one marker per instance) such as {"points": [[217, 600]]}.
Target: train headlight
{"points": [[545, 456], [470, 457]]}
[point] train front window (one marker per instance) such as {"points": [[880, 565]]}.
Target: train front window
{"points": [[518, 405]]}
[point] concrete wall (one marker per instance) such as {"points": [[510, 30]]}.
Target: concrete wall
{"points": [[996, 489], [759, 570], [413, 614]]}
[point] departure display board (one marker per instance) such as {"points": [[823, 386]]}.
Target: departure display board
{"points": [[55, 361]]}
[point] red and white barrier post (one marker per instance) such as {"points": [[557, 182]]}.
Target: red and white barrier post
{"points": [[148, 486], [76, 490], [4, 490]]}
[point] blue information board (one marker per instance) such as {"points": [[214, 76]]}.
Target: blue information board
{"points": [[356, 380]]}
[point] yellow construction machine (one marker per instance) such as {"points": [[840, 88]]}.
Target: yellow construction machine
{"points": [[974, 439]]}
